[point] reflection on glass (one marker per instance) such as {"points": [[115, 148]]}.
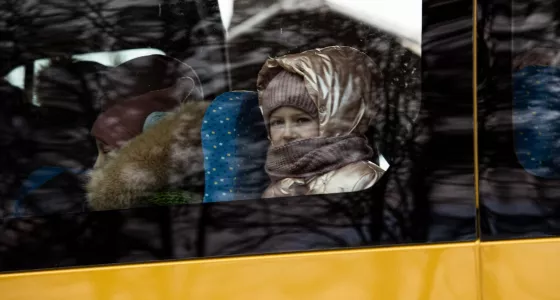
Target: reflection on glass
{"points": [[150, 143], [16, 76], [535, 118]]}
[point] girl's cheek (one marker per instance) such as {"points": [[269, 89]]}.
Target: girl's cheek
{"points": [[309, 130], [99, 161], [274, 135]]}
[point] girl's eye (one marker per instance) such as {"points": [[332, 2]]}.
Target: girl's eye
{"points": [[303, 120], [104, 148], [275, 123]]}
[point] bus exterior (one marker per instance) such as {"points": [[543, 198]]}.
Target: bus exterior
{"points": [[463, 129]]}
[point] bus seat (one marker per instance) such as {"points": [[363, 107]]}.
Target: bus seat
{"points": [[535, 120], [234, 142]]}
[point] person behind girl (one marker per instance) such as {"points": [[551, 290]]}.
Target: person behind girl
{"points": [[149, 150], [317, 106]]}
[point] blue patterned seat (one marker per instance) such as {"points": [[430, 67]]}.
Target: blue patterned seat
{"points": [[536, 91], [234, 142]]}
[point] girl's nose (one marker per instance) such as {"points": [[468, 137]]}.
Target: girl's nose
{"points": [[289, 133]]}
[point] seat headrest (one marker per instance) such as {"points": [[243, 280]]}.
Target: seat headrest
{"points": [[535, 113], [234, 142]]}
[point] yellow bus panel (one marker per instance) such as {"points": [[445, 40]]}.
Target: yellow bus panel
{"points": [[525, 269], [420, 272]]}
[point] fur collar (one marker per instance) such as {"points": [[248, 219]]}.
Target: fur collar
{"points": [[165, 156]]}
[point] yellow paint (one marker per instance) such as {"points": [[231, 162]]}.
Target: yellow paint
{"points": [[421, 272], [522, 269]]}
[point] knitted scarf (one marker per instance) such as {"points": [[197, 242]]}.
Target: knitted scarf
{"points": [[315, 156]]}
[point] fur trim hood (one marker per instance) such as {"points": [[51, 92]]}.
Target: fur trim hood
{"points": [[166, 156]]}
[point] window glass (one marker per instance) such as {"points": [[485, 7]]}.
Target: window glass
{"points": [[183, 129], [535, 96], [519, 136], [16, 77], [101, 66]]}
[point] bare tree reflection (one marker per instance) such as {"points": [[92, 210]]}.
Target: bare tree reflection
{"points": [[427, 194]]}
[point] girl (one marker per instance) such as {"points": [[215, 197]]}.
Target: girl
{"points": [[317, 106]]}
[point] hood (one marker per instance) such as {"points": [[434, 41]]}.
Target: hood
{"points": [[167, 156], [125, 120], [340, 80], [539, 56]]}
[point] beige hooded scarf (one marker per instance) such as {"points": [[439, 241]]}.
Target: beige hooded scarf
{"points": [[342, 83]]}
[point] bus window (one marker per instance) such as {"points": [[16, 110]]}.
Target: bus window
{"points": [[519, 134], [109, 59], [173, 130]]}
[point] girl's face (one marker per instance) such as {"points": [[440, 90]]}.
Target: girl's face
{"points": [[288, 124], [102, 154]]}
